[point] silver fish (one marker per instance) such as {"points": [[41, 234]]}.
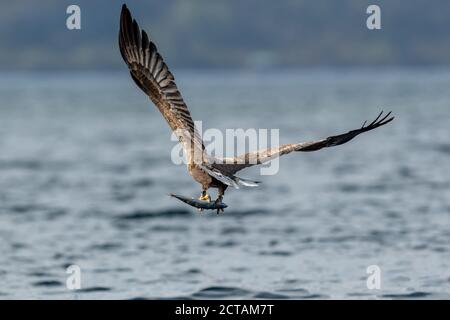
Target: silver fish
{"points": [[200, 204]]}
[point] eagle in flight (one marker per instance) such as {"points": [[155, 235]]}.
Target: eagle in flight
{"points": [[151, 74]]}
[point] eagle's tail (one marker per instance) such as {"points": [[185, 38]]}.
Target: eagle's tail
{"points": [[246, 182], [233, 181]]}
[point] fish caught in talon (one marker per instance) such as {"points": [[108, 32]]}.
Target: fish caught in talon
{"points": [[205, 197], [200, 204]]}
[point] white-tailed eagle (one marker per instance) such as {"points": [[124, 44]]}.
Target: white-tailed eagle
{"points": [[151, 74]]}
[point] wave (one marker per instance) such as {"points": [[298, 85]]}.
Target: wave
{"points": [[144, 214], [221, 293]]}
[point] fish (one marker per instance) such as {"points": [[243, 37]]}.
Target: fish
{"points": [[201, 204]]}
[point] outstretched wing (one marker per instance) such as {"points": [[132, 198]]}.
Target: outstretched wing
{"points": [[230, 166], [151, 74]]}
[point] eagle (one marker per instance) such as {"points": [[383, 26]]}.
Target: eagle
{"points": [[151, 74]]}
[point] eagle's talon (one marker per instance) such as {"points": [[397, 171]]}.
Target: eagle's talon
{"points": [[218, 201], [205, 197]]}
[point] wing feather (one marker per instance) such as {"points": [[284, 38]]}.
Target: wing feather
{"points": [[230, 166], [151, 74]]}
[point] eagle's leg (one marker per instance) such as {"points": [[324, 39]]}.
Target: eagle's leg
{"points": [[205, 196], [220, 195]]}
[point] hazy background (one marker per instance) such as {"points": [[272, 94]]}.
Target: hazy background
{"points": [[232, 33]]}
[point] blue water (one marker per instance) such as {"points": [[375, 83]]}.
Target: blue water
{"points": [[85, 171]]}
